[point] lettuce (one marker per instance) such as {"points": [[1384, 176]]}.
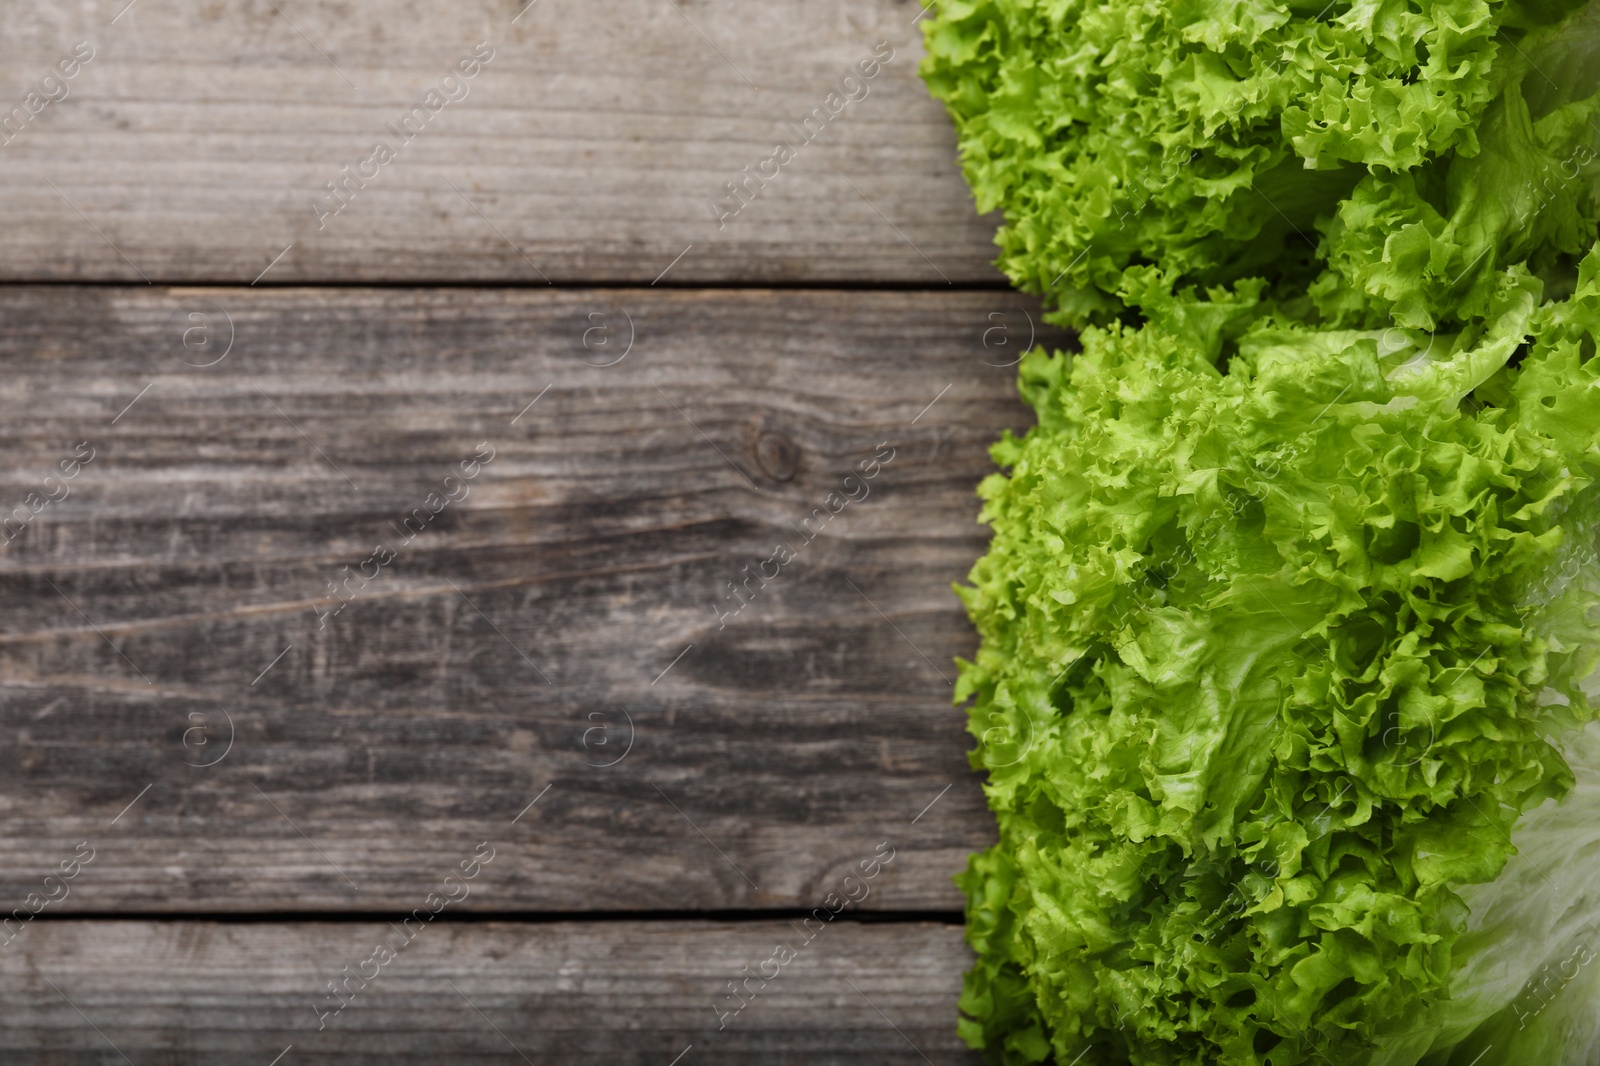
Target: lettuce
{"points": [[1424, 247], [1289, 611], [1270, 669], [1209, 137]]}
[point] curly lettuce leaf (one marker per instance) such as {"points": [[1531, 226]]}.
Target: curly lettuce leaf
{"points": [[1272, 665], [1208, 137], [1526, 980], [1423, 248]]}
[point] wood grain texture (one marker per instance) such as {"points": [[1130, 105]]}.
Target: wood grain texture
{"points": [[569, 611], [187, 993], [590, 148]]}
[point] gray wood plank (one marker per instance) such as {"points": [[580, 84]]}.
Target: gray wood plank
{"points": [[565, 625], [616, 993], [595, 145]]}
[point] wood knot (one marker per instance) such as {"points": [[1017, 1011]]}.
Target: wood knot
{"points": [[778, 455]]}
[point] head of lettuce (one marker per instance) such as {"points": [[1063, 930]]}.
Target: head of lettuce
{"points": [[1290, 606]]}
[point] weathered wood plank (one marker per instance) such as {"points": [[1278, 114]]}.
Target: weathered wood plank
{"points": [[618, 993], [592, 146], [179, 594]]}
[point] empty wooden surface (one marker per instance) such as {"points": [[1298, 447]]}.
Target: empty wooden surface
{"points": [[593, 146], [567, 625], [558, 667], [616, 993]]}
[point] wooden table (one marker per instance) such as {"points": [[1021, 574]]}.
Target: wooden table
{"points": [[498, 609]]}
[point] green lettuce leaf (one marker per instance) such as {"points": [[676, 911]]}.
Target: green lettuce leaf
{"points": [[1530, 194], [1279, 642], [1210, 137], [1525, 983]]}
